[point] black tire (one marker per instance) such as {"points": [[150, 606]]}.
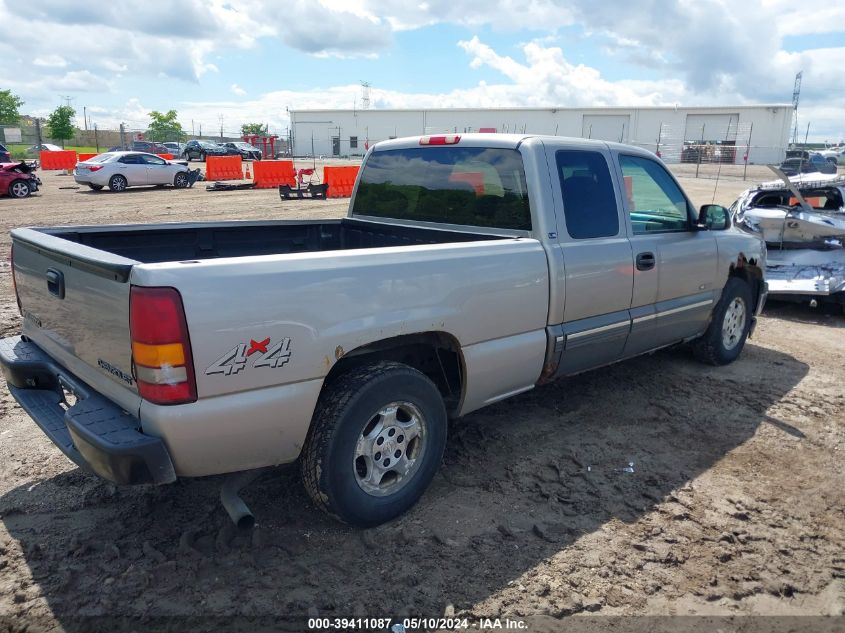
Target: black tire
{"points": [[348, 407], [186, 156], [20, 189], [95, 187], [716, 347], [203, 157], [118, 183], [180, 180]]}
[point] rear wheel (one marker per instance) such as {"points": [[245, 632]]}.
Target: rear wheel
{"points": [[118, 183], [180, 181], [376, 441], [20, 189], [725, 336], [95, 187]]}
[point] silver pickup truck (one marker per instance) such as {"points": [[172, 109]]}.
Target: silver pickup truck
{"points": [[468, 269]]}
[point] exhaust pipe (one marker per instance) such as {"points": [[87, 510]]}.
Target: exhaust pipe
{"points": [[230, 497]]}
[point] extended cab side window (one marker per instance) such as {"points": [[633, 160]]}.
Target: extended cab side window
{"points": [[589, 201], [655, 203]]}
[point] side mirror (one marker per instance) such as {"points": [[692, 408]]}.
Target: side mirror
{"points": [[714, 217]]}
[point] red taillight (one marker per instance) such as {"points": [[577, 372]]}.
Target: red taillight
{"points": [[161, 348], [448, 139], [14, 283], [95, 168]]}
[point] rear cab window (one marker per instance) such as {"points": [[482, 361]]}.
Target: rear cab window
{"points": [[471, 186]]}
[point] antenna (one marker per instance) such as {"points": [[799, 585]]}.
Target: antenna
{"points": [[365, 98], [796, 94]]}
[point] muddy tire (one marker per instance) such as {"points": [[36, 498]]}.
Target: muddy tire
{"points": [[95, 187], [376, 440], [725, 336]]}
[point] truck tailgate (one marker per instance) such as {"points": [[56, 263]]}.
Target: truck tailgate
{"points": [[75, 305]]}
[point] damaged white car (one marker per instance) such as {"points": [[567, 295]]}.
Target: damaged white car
{"points": [[802, 220]]}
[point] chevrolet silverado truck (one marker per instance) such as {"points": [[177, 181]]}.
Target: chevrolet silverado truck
{"points": [[468, 269]]}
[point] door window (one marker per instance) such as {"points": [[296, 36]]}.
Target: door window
{"points": [[589, 201], [131, 159], [655, 203], [152, 160]]}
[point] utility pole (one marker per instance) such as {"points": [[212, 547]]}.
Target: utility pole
{"points": [[96, 139], [122, 137], [220, 116], [38, 131], [85, 117], [796, 94]]}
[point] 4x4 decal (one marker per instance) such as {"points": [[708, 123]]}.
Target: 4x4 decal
{"points": [[262, 353]]}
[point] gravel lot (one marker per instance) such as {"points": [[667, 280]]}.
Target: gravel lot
{"points": [[735, 505]]}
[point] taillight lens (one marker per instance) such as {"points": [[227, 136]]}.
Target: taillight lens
{"points": [[95, 168], [161, 348]]}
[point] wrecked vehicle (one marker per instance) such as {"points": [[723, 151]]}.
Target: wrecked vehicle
{"points": [[18, 180], [802, 220]]}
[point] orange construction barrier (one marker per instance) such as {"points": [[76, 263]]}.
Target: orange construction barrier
{"points": [[166, 156], [66, 159], [341, 180], [83, 157], [223, 168], [269, 174]]}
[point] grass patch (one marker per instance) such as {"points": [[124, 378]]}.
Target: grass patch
{"points": [[18, 150]]}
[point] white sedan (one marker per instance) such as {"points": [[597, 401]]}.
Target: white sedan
{"points": [[119, 170]]}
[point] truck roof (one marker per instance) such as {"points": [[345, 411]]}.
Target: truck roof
{"points": [[508, 141]]}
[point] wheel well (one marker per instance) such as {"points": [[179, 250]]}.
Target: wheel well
{"points": [[435, 354], [750, 273]]}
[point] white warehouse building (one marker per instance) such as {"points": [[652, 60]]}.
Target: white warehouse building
{"points": [[726, 134]]}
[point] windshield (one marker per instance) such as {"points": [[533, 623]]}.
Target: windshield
{"points": [[472, 186]]}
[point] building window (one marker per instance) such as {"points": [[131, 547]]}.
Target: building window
{"points": [[353, 142]]}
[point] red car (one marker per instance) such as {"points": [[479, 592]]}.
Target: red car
{"points": [[17, 180]]}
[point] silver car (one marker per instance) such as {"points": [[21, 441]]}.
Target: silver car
{"points": [[119, 170]]}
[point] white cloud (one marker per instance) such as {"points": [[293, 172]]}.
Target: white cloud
{"points": [[696, 51], [50, 61]]}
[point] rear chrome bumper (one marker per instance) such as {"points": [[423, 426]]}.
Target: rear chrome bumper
{"points": [[93, 432]]}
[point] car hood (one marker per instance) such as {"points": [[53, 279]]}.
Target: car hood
{"points": [[24, 167]]}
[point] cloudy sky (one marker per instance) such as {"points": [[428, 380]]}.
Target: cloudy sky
{"points": [[249, 61]]}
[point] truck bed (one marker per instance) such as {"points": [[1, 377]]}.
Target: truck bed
{"points": [[177, 242]]}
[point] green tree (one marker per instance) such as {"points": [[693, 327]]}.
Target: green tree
{"points": [[164, 127], [60, 124], [254, 128], [9, 105]]}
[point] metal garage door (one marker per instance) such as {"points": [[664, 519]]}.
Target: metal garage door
{"points": [[715, 128], [606, 127]]}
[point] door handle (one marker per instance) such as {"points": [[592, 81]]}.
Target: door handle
{"points": [[645, 261]]}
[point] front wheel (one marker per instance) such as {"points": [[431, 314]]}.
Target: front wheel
{"points": [[725, 336], [118, 183], [20, 189], [376, 441], [180, 181]]}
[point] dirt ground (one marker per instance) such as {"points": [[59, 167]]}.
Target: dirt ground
{"points": [[732, 504]]}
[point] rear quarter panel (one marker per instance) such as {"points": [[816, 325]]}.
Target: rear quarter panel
{"points": [[328, 304]]}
